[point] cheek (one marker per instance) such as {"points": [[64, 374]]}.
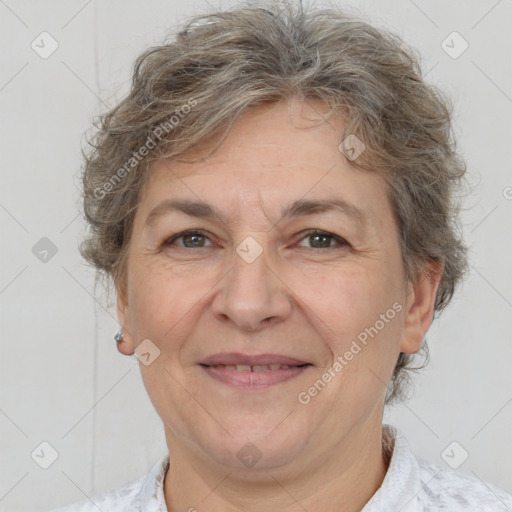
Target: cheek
{"points": [[160, 302], [359, 315], [345, 301]]}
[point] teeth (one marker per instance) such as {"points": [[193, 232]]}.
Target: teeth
{"points": [[256, 368]]}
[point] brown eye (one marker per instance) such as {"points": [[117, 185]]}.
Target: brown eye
{"points": [[189, 240], [323, 240]]}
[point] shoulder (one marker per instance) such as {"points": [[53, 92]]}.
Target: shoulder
{"points": [[122, 498], [449, 490], [413, 484], [145, 493]]}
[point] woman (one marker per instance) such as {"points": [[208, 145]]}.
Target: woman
{"points": [[274, 203]]}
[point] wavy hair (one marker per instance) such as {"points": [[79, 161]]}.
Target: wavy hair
{"points": [[192, 88]]}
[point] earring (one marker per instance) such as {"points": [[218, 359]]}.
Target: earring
{"points": [[118, 336]]}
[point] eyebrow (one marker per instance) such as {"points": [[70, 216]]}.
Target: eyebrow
{"points": [[299, 208]]}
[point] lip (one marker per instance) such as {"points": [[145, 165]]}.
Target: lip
{"points": [[252, 379], [234, 358]]}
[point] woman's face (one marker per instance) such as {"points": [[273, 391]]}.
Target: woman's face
{"points": [[255, 287]]}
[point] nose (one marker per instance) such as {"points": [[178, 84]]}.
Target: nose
{"points": [[252, 295]]}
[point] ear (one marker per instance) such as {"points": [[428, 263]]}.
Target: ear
{"points": [[127, 346], [421, 296]]}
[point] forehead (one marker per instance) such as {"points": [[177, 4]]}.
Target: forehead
{"points": [[273, 155], [279, 135]]}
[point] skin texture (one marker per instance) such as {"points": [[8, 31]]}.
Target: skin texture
{"points": [[303, 297]]}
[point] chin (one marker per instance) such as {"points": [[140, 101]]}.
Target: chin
{"points": [[254, 445]]}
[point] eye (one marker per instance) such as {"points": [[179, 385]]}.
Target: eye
{"points": [[192, 239], [197, 239], [322, 240]]}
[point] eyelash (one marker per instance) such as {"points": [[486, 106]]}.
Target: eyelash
{"points": [[311, 232]]}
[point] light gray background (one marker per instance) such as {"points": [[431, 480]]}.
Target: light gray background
{"points": [[61, 378]]}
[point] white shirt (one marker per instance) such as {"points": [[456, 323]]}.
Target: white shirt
{"points": [[410, 485]]}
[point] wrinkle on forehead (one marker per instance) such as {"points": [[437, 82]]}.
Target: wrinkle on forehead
{"points": [[251, 133]]}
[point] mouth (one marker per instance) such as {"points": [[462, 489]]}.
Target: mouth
{"points": [[255, 368], [258, 371]]}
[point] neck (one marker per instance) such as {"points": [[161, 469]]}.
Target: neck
{"points": [[341, 480]]}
